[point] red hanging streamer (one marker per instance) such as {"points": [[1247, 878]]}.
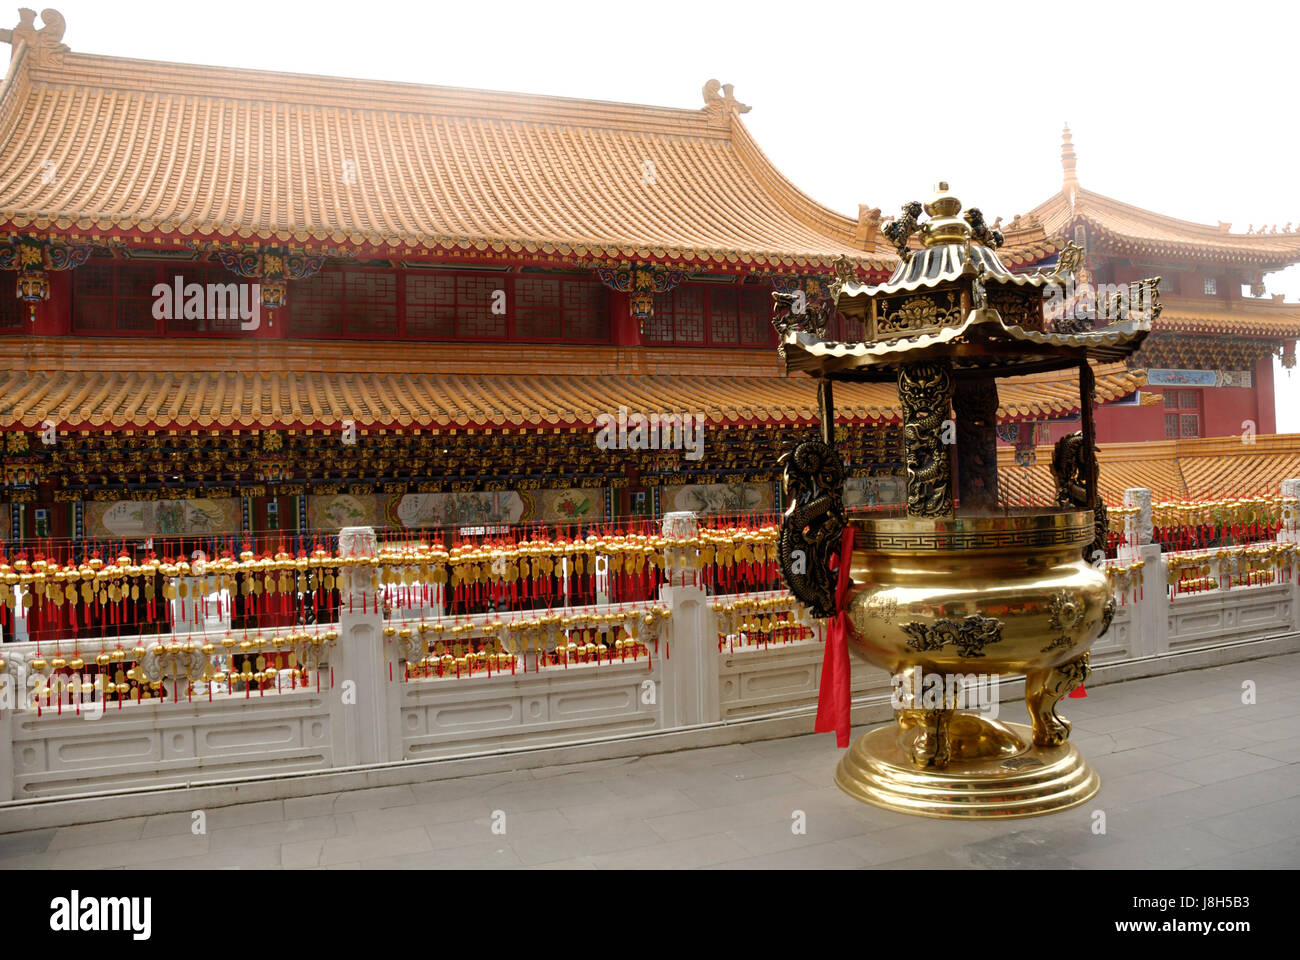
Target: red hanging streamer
{"points": [[833, 700]]}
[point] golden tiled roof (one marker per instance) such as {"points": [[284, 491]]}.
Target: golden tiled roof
{"points": [[149, 384], [1248, 317], [1141, 231], [189, 153], [1201, 469], [1144, 232]]}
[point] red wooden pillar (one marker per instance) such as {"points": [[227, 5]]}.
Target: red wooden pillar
{"points": [[53, 316], [625, 329], [1265, 400]]}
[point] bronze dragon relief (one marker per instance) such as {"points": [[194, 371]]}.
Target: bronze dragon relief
{"points": [[795, 312], [925, 391], [1071, 471], [813, 482]]}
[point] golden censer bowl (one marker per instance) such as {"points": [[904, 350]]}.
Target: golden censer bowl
{"points": [[951, 604]]}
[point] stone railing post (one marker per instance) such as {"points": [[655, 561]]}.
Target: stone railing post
{"points": [[1137, 529], [9, 700], [1290, 532], [1151, 620], [362, 717], [690, 672]]}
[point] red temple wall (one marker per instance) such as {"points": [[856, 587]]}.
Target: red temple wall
{"points": [[1225, 409], [1125, 424]]}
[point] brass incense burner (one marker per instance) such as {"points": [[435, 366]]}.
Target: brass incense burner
{"points": [[956, 585]]}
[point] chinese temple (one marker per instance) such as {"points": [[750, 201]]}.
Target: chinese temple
{"points": [[253, 302]]}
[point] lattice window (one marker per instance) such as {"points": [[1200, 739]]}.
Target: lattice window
{"points": [[214, 305], [449, 306], [1182, 400], [586, 311], [712, 315], [430, 305], [119, 297], [136, 281], [316, 306], [92, 297], [679, 317], [659, 328], [538, 311], [1191, 425], [724, 316], [371, 304], [689, 313], [1171, 426], [1211, 287], [756, 317], [344, 303], [474, 300]]}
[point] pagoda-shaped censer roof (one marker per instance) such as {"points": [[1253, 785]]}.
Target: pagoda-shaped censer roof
{"points": [[953, 299]]}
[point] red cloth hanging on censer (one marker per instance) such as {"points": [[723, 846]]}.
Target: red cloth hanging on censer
{"points": [[834, 701]]}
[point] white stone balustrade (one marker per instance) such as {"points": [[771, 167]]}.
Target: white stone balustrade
{"points": [[371, 714]]}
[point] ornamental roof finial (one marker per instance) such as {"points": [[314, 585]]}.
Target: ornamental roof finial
{"points": [[1067, 159], [720, 102], [45, 41]]}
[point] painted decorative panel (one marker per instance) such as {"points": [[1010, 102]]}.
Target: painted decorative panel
{"points": [[710, 498], [872, 491], [333, 512], [161, 518]]}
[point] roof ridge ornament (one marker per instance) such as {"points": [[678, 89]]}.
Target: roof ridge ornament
{"points": [[868, 227], [43, 42], [720, 102]]}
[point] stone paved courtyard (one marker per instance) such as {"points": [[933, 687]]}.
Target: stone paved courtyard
{"points": [[1191, 778]]}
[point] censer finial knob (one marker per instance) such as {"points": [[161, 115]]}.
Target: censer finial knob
{"points": [[945, 224]]}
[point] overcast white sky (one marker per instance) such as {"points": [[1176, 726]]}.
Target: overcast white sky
{"points": [[1185, 108]]}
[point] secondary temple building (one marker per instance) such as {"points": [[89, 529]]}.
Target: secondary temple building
{"points": [[252, 301], [1210, 356]]}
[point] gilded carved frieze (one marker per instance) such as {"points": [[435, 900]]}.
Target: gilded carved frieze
{"points": [[925, 392], [917, 313]]}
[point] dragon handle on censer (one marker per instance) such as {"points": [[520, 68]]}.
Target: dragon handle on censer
{"points": [[954, 584]]}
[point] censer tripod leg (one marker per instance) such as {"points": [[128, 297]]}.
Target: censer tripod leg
{"points": [[933, 748], [931, 744], [1044, 689]]}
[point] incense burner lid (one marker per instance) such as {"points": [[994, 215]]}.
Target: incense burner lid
{"points": [[953, 300]]}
